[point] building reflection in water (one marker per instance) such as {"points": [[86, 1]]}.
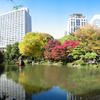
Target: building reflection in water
{"points": [[10, 90], [93, 96], [70, 96]]}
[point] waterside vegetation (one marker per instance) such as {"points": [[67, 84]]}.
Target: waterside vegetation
{"points": [[81, 47]]}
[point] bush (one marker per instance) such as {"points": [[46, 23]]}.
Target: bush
{"points": [[78, 53], [78, 62], [27, 61], [90, 55], [67, 37]]}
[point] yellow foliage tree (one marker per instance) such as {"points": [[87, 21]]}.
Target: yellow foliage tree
{"points": [[32, 45], [89, 38]]}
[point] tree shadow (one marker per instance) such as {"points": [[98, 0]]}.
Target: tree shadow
{"points": [[2, 68]]}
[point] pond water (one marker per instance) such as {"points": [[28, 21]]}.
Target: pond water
{"points": [[50, 83]]}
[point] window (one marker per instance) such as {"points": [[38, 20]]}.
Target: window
{"points": [[72, 23], [77, 22]]}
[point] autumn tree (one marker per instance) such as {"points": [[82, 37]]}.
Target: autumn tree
{"points": [[61, 52], [48, 48], [57, 52], [47, 37], [33, 44], [70, 45], [89, 38]]}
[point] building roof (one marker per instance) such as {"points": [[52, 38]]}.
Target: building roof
{"points": [[77, 15], [26, 9]]}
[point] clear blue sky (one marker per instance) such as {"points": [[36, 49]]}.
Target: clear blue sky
{"points": [[50, 16]]}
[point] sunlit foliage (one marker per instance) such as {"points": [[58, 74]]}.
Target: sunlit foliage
{"points": [[33, 44], [89, 38], [67, 37]]}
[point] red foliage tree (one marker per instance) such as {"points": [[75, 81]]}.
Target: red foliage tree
{"points": [[48, 48], [60, 52], [71, 44], [54, 50]]}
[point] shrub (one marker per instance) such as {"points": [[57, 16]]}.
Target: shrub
{"points": [[67, 37], [78, 52], [80, 61]]}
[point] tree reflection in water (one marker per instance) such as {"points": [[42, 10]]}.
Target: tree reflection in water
{"points": [[79, 84], [2, 67]]}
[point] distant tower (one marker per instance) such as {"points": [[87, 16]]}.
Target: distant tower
{"points": [[75, 21], [95, 20], [13, 26]]}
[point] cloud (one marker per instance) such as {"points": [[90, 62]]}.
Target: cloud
{"points": [[95, 20]]}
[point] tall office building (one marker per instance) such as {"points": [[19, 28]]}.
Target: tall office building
{"points": [[75, 22], [13, 26]]}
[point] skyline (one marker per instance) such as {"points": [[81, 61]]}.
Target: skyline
{"points": [[50, 16]]}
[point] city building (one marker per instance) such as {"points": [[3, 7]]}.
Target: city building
{"points": [[13, 26], [95, 20], [75, 22]]}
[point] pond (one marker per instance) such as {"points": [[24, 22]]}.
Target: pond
{"points": [[40, 82]]}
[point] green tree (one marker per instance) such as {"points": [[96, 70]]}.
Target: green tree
{"points": [[90, 56], [67, 37], [8, 52], [77, 53], [12, 52]]}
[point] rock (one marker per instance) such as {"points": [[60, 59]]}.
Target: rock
{"points": [[75, 66], [33, 63]]}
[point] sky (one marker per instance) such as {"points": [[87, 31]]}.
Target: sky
{"points": [[50, 16]]}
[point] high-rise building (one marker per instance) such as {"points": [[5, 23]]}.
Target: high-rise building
{"points": [[13, 26], [95, 20], [75, 22]]}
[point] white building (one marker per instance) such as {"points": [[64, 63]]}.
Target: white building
{"points": [[95, 20], [75, 22], [13, 26]]}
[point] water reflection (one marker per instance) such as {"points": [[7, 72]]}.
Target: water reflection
{"points": [[70, 96], [10, 90], [2, 67], [52, 83], [54, 93]]}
